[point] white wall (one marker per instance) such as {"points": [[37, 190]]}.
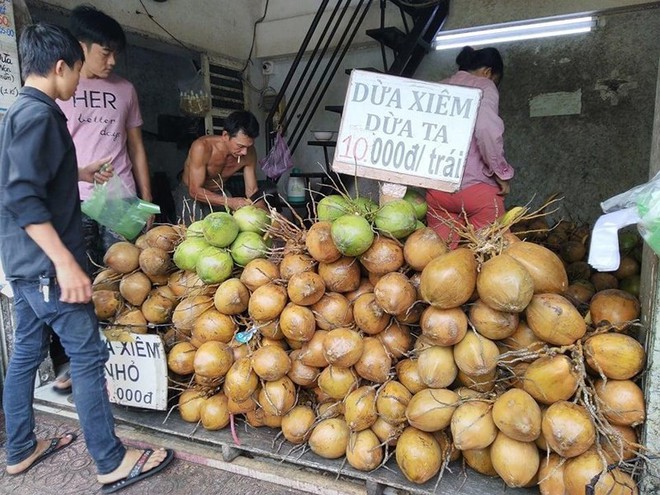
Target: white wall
{"points": [[287, 22], [469, 13], [222, 27]]}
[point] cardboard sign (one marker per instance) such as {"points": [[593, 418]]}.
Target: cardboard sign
{"points": [[136, 371], [406, 131], [10, 73]]}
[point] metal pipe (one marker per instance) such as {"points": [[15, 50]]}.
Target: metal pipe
{"points": [[301, 87], [334, 70], [287, 80], [382, 26]]}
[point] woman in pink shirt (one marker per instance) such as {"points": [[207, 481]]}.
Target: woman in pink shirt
{"points": [[480, 198]]}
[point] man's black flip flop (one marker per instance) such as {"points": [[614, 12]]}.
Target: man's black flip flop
{"points": [[53, 448], [136, 473]]}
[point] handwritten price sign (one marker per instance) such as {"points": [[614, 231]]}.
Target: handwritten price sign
{"points": [[406, 131], [136, 371]]}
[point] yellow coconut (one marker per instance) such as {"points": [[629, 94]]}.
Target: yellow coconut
{"points": [[492, 323], [515, 462], [391, 402], [479, 460], [550, 379], [432, 409], [214, 412], [472, 426], [621, 402], [374, 363], [476, 355], [360, 408], [444, 327], [364, 451], [297, 424], [436, 366], [517, 414], [544, 266], [590, 469], [408, 374], [329, 438], [478, 383], [449, 279], [568, 429], [418, 455], [554, 319], [337, 382], [504, 284], [551, 475], [615, 355]]}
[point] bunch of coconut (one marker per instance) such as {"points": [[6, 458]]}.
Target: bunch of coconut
{"points": [[570, 241], [355, 221], [301, 324], [213, 306], [213, 246], [490, 324], [131, 292], [357, 346], [548, 373]]}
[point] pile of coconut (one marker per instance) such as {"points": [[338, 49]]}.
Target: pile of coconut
{"points": [[363, 336]]}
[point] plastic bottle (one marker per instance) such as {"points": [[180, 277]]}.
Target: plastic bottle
{"points": [[295, 188]]}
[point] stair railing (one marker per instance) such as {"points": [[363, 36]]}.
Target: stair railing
{"points": [[300, 80], [428, 17]]}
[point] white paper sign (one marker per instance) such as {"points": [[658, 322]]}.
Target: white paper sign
{"points": [[406, 131], [137, 371], [10, 73]]}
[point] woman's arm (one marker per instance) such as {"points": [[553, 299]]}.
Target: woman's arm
{"points": [[489, 134]]}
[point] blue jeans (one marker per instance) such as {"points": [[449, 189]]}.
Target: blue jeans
{"points": [[77, 327]]}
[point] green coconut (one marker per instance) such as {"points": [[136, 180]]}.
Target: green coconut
{"points": [[220, 229], [352, 234], [187, 253], [332, 207], [214, 265], [418, 202], [247, 247], [252, 219], [396, 218]]}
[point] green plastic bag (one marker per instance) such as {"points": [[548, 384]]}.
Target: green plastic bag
{"points": [[114, 206]]}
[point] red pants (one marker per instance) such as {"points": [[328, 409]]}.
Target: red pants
{"points": [[480, 204]]}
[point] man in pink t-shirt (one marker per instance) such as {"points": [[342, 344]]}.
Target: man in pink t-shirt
{"points": [[104, 119]]}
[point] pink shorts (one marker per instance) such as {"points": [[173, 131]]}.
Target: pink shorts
{"points": [[480, 204]]}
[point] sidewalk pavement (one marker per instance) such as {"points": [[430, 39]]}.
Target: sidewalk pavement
{"points": [[196, 470]]}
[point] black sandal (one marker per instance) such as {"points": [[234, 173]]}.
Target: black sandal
{"points": [[136, 473], [62, 379]]}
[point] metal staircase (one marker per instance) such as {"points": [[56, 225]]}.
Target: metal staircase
{"points": [[421, 19], [336, 26]]}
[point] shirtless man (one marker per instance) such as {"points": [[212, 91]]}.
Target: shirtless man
{"points": [[211, 161]]}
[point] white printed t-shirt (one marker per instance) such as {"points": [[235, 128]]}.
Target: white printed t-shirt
{"points": [[99, 115]]}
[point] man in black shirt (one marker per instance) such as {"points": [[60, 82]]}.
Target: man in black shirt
{"points": [[42, 252]]}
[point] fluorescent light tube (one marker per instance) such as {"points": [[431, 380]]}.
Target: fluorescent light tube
{"points": [[503, 33]]}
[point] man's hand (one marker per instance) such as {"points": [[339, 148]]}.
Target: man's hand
{"points": [[236, 203], [75, 285], [505, 188], [150, 223], [92, 172]]}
